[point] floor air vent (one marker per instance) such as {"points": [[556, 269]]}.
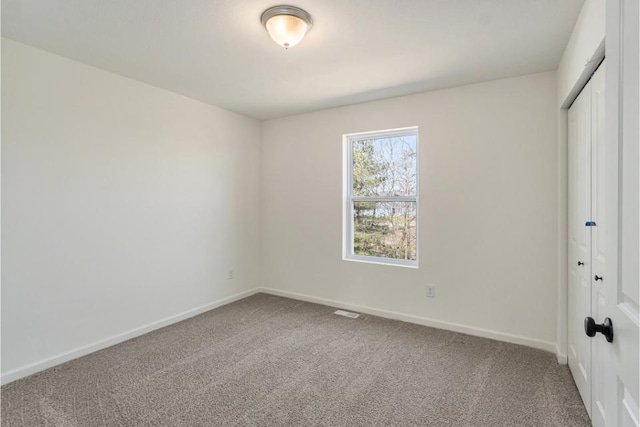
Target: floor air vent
{"points": [[346, 314]]}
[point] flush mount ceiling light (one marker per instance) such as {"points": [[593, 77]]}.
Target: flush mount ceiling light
{"points": [[287, 25]]}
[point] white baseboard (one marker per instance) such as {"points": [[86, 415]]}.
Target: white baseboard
{"points": [[562, 357], [455, 327], [23, 371]]}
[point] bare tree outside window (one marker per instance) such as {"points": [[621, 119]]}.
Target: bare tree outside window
{"points": [[383, 195]]}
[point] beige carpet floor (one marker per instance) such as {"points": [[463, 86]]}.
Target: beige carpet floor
{"points": [[272, 361]]}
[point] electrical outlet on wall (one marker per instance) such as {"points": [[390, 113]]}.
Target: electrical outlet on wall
{"points": [[230, 274], [431, 291]]}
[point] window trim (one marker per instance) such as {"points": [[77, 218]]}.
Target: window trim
{"points": [[348, 197]]}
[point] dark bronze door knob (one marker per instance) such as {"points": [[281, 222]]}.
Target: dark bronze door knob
{"points": [[606, 328]]}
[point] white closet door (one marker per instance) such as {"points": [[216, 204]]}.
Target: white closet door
{"points": [[598, 279], [579, 127]]}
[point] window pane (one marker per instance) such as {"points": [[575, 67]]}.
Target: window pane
{"points": [[384, 166], [385, 229]]}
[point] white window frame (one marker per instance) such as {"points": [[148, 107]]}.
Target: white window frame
{"points": [[349, 199]]}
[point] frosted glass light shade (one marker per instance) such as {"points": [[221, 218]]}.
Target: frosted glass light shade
{"points": [[287, 25], [286, 30]]}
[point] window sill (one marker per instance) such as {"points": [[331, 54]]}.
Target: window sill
{"points": [[382, 261]]}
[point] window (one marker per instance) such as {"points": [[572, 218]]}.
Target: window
{"points": [[381, 197]]}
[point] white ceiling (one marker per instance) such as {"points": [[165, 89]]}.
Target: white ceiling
{"points": [[358, 50]]}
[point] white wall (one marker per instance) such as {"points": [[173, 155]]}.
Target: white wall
{"points": [[580, 58], [488, 237], [123, 204]]}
